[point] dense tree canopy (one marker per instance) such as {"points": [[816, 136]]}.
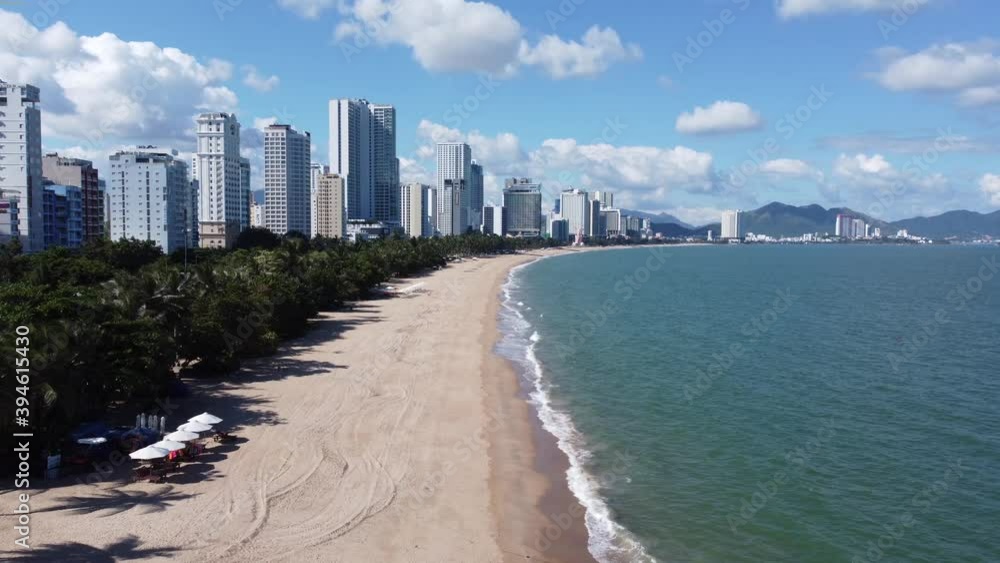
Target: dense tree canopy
{"points": [[112, 323]]}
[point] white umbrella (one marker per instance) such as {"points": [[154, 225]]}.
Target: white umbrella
{"points": [[205, 418], [149, 452], [194, 427], [169, 445], [181, 436]]}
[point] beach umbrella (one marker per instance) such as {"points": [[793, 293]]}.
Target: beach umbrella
{"points": [[205, 418], [181, 436], [169, 445], [194, 427], [149, 452]]}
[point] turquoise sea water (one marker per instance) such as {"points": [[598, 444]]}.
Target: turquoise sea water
{"points": [[771, 403]]}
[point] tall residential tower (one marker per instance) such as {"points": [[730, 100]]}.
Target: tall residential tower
{"points": [[21, 160], [286, 180], [222, 197], [363, 152]]}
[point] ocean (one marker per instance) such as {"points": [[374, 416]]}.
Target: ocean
{"points": [[770, 403]]}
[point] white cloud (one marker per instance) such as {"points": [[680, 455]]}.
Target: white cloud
{"points": [[599, 49], [697, 216], [787, 167], [459, 35], [721, 117], [311, 9], [255, 80], [500, 151], [972, 70], [411, 170], [101, 87], [788, 9], [990, 185], [876, 172]]}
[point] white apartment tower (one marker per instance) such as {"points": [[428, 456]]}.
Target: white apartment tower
{"points": [[217, 168], [363, 152], [731, 227], [576, 209], [151, 198], [413, 209], [286, 180], [454, 169], [21, 159], [330, 221]]}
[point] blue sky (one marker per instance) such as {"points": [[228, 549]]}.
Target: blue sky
{"points": [[687, 107]]}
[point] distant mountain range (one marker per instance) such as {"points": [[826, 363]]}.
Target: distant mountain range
{"points": [[657, 218], [778, 219]]}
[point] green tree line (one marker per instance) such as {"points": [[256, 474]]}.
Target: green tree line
{"points": [[114, 323]]}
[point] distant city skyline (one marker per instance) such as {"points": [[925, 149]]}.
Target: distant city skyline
{"points": [[663, 111]]}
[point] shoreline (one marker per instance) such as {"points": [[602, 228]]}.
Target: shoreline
{"points": [[392, 432]]}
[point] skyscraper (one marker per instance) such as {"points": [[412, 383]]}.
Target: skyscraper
{"points": [[522, 204], [450, 216], [413, 213], [606, 198], [731, 227], [63, 216], [286, 180], [493, 220], [454, 164], [576, 209], [79, 173], [363, 152], [21, 160], [217, 170], [151, 198], [430, 213], [330, 206], [475, 195], [315, 171]]}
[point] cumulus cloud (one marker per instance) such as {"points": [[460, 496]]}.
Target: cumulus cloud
{"points": [[257, 81], [458, 35], [788, 9], [971, 70], [501, 151], [100, 87], [787, 167], [876, 172], [721, 117], [598, 50], [990, 185]]}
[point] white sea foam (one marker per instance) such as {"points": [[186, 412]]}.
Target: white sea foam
{"points": [[608, 541]]}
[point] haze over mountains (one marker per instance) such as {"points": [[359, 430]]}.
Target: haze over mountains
{"points": [[778, 219]]}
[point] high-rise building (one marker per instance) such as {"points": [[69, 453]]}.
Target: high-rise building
{"points": [[63, 216], [315, 171], [8, 220], [217, 169], [606, 198], [257, 215], [81, 174], [844, 224], [454, 163], [522, 203], [363, 152], [475, 195], [151, 198], [611, 220], [493, 220], [858, 229], [21, 159], [430, 213], [558, 228], [731, 227], [576, 209], [286, 180], [451, 216], [247, 193], [330, 221], [413, 209], [597, 227]]}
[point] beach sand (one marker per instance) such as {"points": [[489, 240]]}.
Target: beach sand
{"points": [[388, 433]]}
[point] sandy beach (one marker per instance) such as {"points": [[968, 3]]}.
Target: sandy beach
{"points": [[388, 433]]}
